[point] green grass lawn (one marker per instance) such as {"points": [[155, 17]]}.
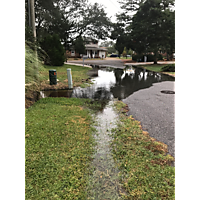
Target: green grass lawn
{"points": [[156, 68], [126, 58], [145, 169], [79, 75], [59, 145]]}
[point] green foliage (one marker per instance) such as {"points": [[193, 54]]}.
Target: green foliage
{"points": [[32, 64], [130, 52], [124, 52], [65, 18], [29, 34], [59, 146], [151, 27], [150, 57], [168, 68], [52, 46], [79, 45]]}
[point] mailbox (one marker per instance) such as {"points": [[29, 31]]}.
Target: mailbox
{"points": [[85, 57], [53, 77]]}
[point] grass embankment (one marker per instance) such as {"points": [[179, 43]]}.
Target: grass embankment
{"points": [[59, 145], [146, 171], [79, 76], [157, 68]]}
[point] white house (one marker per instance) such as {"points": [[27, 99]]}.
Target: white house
{"points": [[92, 51]]}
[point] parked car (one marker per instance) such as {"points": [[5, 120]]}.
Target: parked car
{"points": [[114, 55]]}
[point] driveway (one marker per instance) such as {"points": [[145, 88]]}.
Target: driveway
{"points": [[155, 111]]}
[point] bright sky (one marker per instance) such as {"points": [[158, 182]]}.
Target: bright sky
{"points": [[111, 7]]}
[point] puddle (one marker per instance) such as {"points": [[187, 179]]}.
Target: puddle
{"points": [[167, 92], [112, 83], [104, 182]]}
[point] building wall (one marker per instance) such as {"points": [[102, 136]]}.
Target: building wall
{"points": [[102, 53]]}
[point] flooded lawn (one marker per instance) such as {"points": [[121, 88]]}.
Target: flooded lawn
{"points": [[109, 84], [112, 83], [104, 182]]}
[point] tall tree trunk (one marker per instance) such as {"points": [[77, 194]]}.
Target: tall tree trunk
{"points": [[155, 56]]}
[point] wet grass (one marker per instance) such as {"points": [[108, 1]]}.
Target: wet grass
{"points": [[59, 146], [157, 68], [145, 168], [79, 76]]}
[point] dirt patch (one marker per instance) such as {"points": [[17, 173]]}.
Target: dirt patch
{"points": [[31, 97], [60, 86]]}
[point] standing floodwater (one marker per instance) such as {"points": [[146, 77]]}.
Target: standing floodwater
{"points": [[104, 182]]}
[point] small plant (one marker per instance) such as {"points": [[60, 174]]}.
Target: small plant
{"points": [[168, 68]]}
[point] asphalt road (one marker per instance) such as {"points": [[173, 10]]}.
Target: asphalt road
{"points": [[115, 63], [155, 111]]}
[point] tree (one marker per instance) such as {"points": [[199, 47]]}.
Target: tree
{"points": [[70, 19], [52, 46], [130, 52], [124, 52], [79, 45], [152, 27], [122, 38]]}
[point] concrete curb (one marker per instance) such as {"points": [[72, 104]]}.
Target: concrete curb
{"points": [[77, 64]]}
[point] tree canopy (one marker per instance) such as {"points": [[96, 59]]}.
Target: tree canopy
{"points": [[70, 19], [149, 29]]}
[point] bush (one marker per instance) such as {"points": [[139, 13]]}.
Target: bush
{"points": [[150, 57], [160, 57], [168, 68], [52, 46]]}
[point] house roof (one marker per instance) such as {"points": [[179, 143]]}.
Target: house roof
{"points": [[95, 48]]}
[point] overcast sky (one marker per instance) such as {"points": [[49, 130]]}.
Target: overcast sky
{"points": [[111, 7]]}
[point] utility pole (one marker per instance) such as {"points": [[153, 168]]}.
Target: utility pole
{"points": [[31, 11]]}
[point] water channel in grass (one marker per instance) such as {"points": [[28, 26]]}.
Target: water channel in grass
{"points": [[109, 84]]}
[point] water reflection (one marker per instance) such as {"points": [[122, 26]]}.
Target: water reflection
{"points": [[113, 83], [120, 83]]}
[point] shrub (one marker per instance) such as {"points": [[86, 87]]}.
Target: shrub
{"points": [[160, 57], [150, 57], [168, 68], [52, 46]]}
